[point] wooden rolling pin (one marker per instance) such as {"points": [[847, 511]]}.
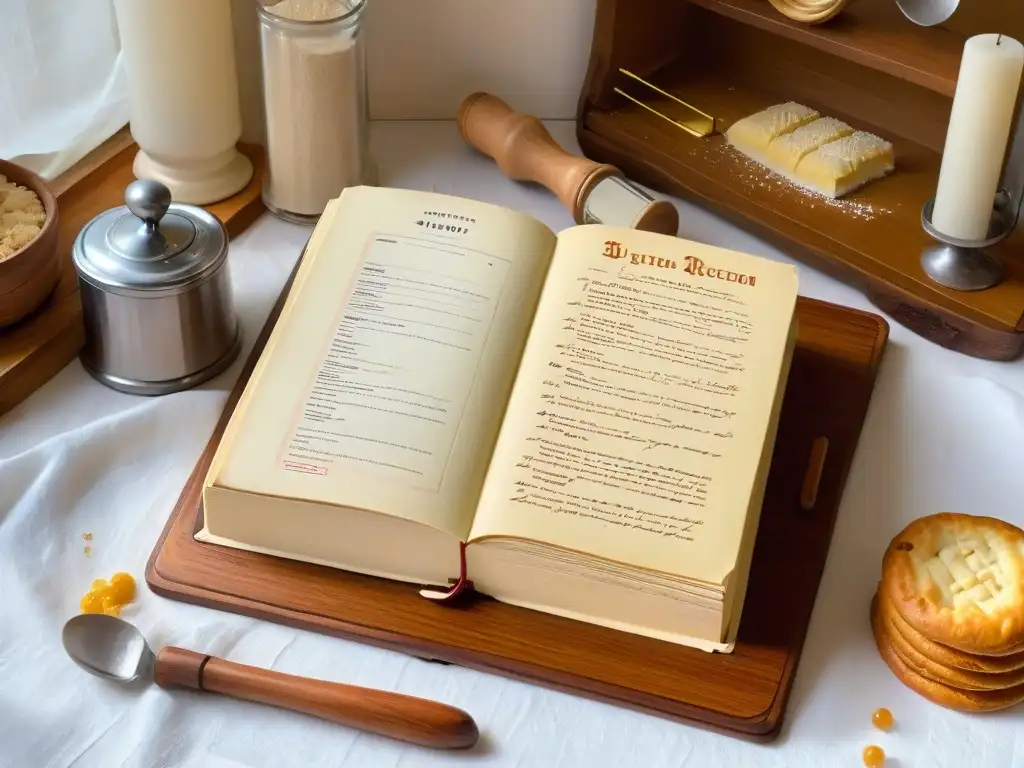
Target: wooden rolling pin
{"points": [[595, 193]]}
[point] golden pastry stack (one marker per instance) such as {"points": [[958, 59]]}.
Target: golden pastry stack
{"points": [[948, 616]]}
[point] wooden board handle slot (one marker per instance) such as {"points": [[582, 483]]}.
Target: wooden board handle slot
{"points": [[408, 718], [812, 475]]}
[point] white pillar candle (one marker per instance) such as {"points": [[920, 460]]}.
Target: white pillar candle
{"points": [[977, 136], [183, 94]]}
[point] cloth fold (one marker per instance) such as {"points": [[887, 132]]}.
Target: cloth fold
{"points": [[944, 432]]}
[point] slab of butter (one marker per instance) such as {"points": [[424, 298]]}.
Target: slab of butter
{"points": [[752, 135], [822, 154], [839, 167], [785, 152]]}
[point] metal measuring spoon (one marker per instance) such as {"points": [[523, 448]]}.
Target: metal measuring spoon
{"points": [[928, 13], [112, 648]]}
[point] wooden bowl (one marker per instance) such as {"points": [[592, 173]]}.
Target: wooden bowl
{"points": [[28, 277], [809, 11]]}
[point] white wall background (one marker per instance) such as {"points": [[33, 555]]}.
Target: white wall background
{"points": [[63, 90], [425, 56]]}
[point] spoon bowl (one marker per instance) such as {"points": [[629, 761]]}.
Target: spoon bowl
{"points": [[108, 647]]}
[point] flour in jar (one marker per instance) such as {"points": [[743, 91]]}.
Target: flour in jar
{"points": [[314, 92]]}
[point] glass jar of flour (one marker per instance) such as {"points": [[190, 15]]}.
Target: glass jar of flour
{"points": [[314, 104]]}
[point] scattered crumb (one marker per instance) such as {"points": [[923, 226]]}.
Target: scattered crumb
{"points": [[87, 536], [21, 217]]}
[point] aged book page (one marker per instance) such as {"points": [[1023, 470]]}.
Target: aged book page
{"points": [[637, 424], [387, 377]]}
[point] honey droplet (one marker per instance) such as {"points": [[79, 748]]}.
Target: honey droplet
{"points": [[91, 602], [111, 608], [882, 718], [88, 551], [122, 587], [109, 597], [874, 757]]}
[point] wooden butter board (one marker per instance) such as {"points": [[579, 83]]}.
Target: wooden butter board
{"points": [[38, 347], [742, 694]]}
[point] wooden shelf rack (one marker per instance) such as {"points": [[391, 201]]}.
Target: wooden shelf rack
{"points": [[868, 66], [871, 34]]}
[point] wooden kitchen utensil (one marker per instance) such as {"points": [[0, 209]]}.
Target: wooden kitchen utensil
{"points": [[113, 649], [595, 193]]}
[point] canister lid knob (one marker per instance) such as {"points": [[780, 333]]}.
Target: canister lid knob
{"points": [[160, 236], [149, 200]]}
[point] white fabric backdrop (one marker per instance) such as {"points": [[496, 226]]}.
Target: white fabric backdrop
{"points": [[62, 85]]}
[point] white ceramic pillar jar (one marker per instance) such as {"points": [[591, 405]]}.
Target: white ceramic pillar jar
{"points": [[185, 111]]}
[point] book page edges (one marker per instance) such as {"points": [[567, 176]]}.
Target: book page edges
{"points": [[588, 555], [736, 595], [343, 538], [632, 629]]}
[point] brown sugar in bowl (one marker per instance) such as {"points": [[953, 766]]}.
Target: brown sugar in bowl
{"points": [[29, 276]]}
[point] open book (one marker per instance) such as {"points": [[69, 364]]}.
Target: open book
{"points": [[579, 423]]}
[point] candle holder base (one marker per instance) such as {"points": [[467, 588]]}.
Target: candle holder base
{"points": [[962, 269], [964, 265]]}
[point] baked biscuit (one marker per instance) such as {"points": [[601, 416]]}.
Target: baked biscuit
{"points": [[958, 580], [955, 678], [937, 693], [946, 656]]}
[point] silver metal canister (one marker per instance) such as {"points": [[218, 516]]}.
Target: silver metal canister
{"points": [[156, 294]]}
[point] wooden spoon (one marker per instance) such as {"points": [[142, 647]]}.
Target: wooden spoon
{"points": [[111, 648]]}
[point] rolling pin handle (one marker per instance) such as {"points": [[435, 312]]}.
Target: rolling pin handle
{"points": [[525, 151]]}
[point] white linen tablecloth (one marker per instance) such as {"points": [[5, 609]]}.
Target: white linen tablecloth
{"points": [[944, 432]]}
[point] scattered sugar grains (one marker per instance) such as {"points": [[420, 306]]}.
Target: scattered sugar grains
{"points": [[21, 217], [752, 174]]}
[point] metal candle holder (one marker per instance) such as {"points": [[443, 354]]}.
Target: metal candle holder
{"points": [[966, 265]]}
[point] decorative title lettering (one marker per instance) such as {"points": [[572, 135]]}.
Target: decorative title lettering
{"points": [[694, 266], [614, 250]]}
